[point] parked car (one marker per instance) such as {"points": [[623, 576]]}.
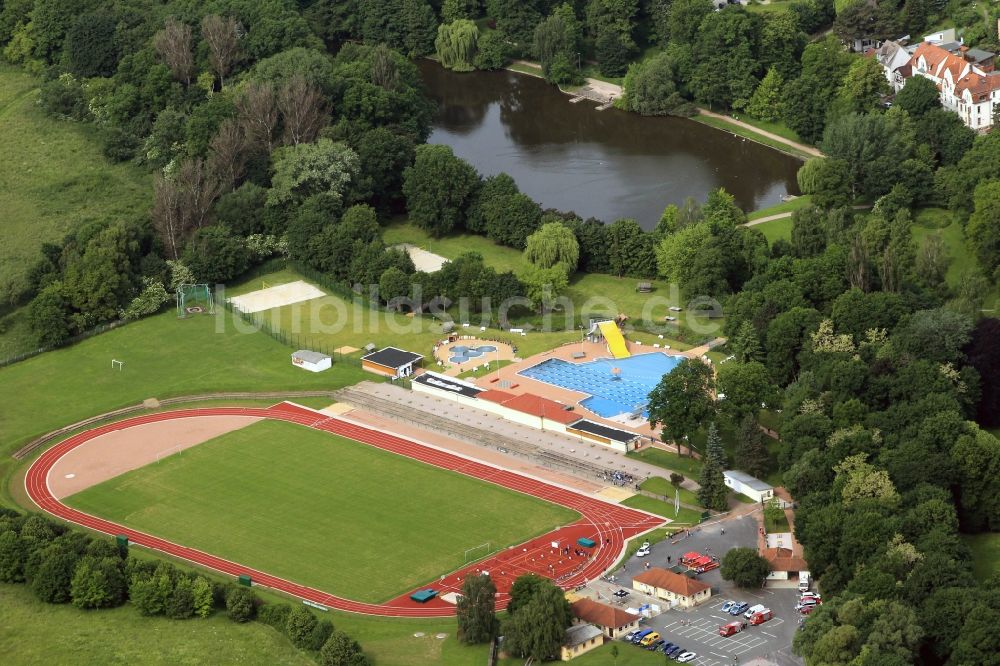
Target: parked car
{"points": [[808, 601], [805, 610], [649, 639], [810, 595], [642, 552], [756, 608], [739, 608], [639, 636], [667, 647], [727, 606], [630, 635], [730, 629], [686, 657], [675, 650], [655, 645], [621, 593]]}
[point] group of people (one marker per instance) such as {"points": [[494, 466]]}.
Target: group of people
{"points": [[620, 479]]}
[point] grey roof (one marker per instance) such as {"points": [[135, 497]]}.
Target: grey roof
{"points": [[747, 480], [614, 434], [580, 633], [309, 356], [391, 357], [978, 55], [951, 47]]}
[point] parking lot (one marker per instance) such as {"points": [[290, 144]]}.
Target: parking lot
{"points": [[697, 629]]}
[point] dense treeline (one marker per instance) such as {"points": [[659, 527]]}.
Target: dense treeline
{"points": [[62, 565]]}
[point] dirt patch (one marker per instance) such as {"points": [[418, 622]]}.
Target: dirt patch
{"points": [[123, 450]]}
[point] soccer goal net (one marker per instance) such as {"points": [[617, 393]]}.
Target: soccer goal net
{"points": [[194, 299], [478, 552]]}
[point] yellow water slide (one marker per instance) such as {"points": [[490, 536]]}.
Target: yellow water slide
{"points": [[616, 343]]}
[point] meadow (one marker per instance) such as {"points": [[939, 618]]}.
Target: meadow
{"points": [[319, 509]]}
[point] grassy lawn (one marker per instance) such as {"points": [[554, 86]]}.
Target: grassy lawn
{"points": [[779, 128], [776, 526], [985, 553], [754, 136], [327, 516], [665, 509], [689, 467], [596, 294], [53, 179], [163, 357], [484, 370], [783, 207], [660, 486], [930, 221], [775, 229], [38, 633]]}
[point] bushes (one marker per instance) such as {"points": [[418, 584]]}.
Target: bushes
{"points": [[241, 604]]}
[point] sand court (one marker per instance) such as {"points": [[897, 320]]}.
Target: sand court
{"points": [[277, 296]]}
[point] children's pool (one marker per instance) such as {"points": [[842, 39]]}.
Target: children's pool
{"points": [[611, 393], [463, 353]]}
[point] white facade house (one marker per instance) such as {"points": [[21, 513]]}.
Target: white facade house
{"points": [[311, 361], [743, 483]]}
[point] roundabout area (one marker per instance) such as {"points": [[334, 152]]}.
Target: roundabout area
{"points": [[283, 496]]}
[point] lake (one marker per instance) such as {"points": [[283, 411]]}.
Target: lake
{"points": [[605, 164]]}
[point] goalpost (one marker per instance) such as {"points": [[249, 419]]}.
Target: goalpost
{"points": [[478, 552], [194, 299]]}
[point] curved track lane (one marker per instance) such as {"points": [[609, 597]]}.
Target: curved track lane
{"points": [[608, 524]]}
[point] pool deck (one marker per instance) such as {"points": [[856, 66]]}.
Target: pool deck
{"points": [[442, 355], [594, 350]]}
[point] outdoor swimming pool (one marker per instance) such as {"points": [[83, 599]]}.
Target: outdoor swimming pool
{"points": [[611, 394], [462, 353]]}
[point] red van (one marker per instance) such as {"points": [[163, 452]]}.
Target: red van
{"points": [[730, 629], [761, 617]]}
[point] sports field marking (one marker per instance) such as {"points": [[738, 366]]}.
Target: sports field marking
{"points": [[277, 296]]}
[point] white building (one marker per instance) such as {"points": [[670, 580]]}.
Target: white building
{"points": [[752, 487], [311, 361]]}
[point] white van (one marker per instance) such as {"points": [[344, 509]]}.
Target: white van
{"points": [[753, 610], [803, 581]]}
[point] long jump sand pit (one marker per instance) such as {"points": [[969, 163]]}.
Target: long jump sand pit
{"points": [[277, 296], [121, 451]]}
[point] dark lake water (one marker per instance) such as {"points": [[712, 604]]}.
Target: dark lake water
{"points": [[606, 164]]}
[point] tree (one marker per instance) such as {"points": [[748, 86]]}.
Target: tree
{"points": [[300, 171], [90, 48], [341, 650], [241, 604], [918, 96], [476, 610], [827, 180], [180, 604], [48, 315], [745, 344], [181, 202], [452, 10], [712, 493], [456, 45], [978, 642], [857, 480], [613, 54], [751, 453], [873, 146], [13, 554], [299, 626], [650, 87], [90, 587], [420, 27], [553, 244], [807, 98], [537, 625], [746, 386], [864, 86], [977, 457], [713, 446], [983, 229], [744, 567], [216, 255], [52, 581], [203, 602], [492, 52], [173, 44], [257, 114], [684, 19], [630, 249], [682, 400], [765, 104], [438, 188], [544, 285], [221, 34], [303, 111]]}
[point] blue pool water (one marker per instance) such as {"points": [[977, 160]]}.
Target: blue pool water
{"points": [[609, 396], [462, 353]]}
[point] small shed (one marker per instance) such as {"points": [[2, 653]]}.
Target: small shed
{"points": [[391, 362], [311, 360], [644, 287], [423, 596], [752, 487], [580, 639]]}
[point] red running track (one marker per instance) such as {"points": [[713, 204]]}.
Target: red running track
{"points": [[608, 524]]}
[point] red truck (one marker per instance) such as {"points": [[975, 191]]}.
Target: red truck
{"points": [[761, 617], [730, 629]]}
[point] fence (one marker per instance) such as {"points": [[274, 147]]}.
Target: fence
{"points": [[97, 330]]}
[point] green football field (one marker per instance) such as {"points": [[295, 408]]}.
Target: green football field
{"points": [[319, 509]]}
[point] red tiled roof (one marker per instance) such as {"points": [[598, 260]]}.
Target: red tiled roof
{"points": [[602, 615], [539, 406], [782, 559], [938, 61], [672, 582], [493, 395]]}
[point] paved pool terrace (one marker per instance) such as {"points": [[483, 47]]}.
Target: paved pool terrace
{"points": [[615, 386]]}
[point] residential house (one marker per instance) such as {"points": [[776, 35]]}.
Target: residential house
{"points": [[580, 639], [678, 589], [612, 621], [895, 60], [744, 484], [969, 89], [785, 566]]}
